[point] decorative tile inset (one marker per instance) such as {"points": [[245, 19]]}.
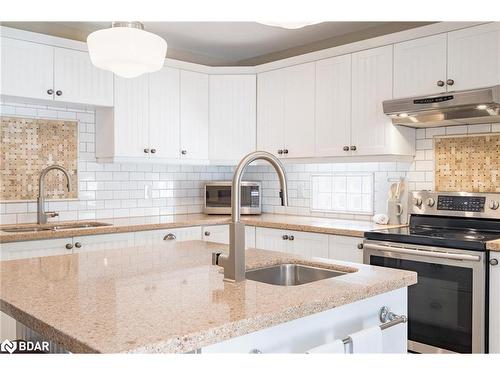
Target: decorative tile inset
{"points": [[30, 145], [470, 163]]}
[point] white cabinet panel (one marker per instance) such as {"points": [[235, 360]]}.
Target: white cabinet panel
{"points": [[494, 326], [164, 113], [131, 117], [220, 234], [418, 66], [333, 106], [270, 239], [299, 110], [232, 126], [33, 249], [7, 327], [84, 244], [194, 115], [307, 244], [26, 69], [77, 80], [160, 236], [345, 248], [270, 111]]}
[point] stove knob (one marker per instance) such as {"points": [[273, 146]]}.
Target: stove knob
{"points": [[417, 202], [494, 205], [430, 202]]}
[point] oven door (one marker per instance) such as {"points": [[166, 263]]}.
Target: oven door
{"points": [[446, 308]]}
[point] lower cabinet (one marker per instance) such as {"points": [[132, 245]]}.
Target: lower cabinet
{"points": [[34, 249], [494, 315], [345, 248], [83, 244], [220, 234], [151, 237]]}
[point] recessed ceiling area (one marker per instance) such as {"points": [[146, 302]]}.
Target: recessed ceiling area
{"points": [[234, 43]]}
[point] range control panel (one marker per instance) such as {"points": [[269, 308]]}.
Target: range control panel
{"points": [[466, 204]]}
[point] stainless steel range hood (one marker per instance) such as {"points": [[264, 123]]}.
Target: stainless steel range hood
{"points": [[452, 108]]}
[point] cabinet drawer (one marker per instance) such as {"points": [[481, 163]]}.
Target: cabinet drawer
{"points": [[84, 244], [151, 237], [33, 249], [220, 234]]}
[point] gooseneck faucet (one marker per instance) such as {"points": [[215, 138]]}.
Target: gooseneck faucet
{"points": [[41, 214], [234, 262]]}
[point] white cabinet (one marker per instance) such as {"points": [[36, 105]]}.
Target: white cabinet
{"points": [[77, 80], [152, 237], [494, 313], [232, 125], [38, 71], [372, 132], [83, 244], [220, 234], [420, 66], [27, 69], [194, 115], [474, 57], [294, 242], [345, 248], [333, 106], [33, 249]]}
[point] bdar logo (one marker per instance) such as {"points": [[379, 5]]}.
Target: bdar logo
{"points": [[8, 346]]}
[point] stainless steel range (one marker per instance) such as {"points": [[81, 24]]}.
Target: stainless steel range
{"points": [[445, 243]]}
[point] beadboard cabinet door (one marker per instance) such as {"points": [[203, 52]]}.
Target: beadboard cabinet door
{"points": [[164, 113], [420, 66], [77, 80], [131, 117], [232, 125], [474, 57], [27, 69], [333, 106], [194, 115]]}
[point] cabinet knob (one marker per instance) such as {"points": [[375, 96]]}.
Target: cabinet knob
{"points": [[58, 92], [207, 233], [146, 150], [494, 205], [255, 351], [360, 246], [345, 148], [78, 244], [285, 151], [69, 246], [169, 237], [353, 148], [440, 83], [450, 82], [50, 91], [280, 152], [153, 150], [291, 238], [183, 152], [285, 237], [494, 262]]}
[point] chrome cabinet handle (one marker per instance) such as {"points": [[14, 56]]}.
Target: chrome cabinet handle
{"points": [[285, 237], [280, 152], [153, 150], [207, 233], [494, 262], [450, 82], [346, 148], [78, 244], [69, 246], [440, 83], [291, 238], [360, 246], [169, 237], [353, 148], [146, 150], [183, 152], [58, 92], [50, 91], [255, 351]]}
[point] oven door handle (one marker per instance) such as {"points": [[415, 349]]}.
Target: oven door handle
{"points": [[426, 253]]}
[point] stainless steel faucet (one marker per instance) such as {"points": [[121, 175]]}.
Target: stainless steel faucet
{"points": [[42, 215], [234, 263]]}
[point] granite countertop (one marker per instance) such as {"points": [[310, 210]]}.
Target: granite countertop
{"points": [[493, 245], [354, 228], [169, 298]]}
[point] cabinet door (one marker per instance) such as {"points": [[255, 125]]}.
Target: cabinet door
{"points": [[77, 80], [152, 237], [27, 69], [194, 115], [474, 57], [307, 244], [220, 234], [270, 239], [164, 113], [232, 116], [419, 65], [333, 106], [345, 248], [371, 85], [494, 333], [34, 249], [131, 123], [84, 244], [270, 111]]}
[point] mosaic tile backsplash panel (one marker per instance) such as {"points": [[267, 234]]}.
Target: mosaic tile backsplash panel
{"points": [[470, 163], [29, 146]]}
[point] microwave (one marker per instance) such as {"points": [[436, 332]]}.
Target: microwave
{"points": [[218, 198]]}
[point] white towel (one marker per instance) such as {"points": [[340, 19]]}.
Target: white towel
{"points": [[367, 341], [336, 346]]}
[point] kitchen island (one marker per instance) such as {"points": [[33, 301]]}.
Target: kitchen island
{"points": [[169, 298]]}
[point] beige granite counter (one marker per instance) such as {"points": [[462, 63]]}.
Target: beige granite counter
{"points": [[169, 298], [493, 245], [354, 228]]}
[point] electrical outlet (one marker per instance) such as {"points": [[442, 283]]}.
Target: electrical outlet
{"points": [[148, 191]]}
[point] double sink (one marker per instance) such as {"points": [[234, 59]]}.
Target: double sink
{"points": [[51, 227]]}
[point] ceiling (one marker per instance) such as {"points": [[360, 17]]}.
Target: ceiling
{"points": [[234, 43]]}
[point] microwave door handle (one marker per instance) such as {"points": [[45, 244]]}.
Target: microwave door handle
{"points": [[426, 253]]}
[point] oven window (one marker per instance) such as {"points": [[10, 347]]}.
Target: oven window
{"points": [[220, 196], [439, 305]]}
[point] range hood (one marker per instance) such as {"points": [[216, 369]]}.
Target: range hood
{"points": [[452, 108]]}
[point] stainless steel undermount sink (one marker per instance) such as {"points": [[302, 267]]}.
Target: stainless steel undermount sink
{"points": [[40, 228], [290, 274]]}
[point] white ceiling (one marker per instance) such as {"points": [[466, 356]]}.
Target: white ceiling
{"points": [[234, 43]]}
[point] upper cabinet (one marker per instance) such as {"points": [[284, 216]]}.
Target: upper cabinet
{"points": [[232, 121], [37, 71], [285, 111], [459, 60]]}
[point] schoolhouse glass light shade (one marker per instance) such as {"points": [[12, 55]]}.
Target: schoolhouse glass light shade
{"points": [[126, 49]]}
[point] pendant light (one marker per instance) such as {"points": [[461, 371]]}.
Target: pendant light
{"points": [[126, 49]]}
